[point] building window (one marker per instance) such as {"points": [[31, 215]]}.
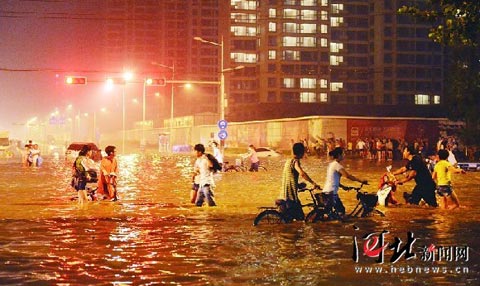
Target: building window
{"points": [[290, 41], [290, 14], [290, 28], [245, 5], [308, 28], [308, 83], [336, 60], [243, 57], [324, 15], [436, 99], [323, 83], [289, 97], [324, 3], [289, 82], [272, 54], [272, 41], [422, 99], [308, 97], [337, 8], [243, 31], [323, 97], [243, 18], [272, 68], [336, 86], [272, 13], [336, 21], [309, 2], [309, 15], [291, 55], [323, 29], [272, 27], [272, 82], [308, 41], [336, 47], [323, 42]]}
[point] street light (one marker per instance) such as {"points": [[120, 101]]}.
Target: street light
{"points": [[127, 76], [222, 72], [172, 68]]}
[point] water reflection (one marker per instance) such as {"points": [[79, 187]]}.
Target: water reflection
{"points": [[154, 235]]}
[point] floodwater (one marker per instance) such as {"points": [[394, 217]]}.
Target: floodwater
{"points": [[153, 235]]}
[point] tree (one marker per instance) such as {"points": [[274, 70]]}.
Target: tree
{"points": [[456, 25]]}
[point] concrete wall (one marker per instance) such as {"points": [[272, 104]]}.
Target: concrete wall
{"points": [[279, 133]]}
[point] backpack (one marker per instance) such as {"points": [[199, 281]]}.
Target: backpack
{"points": [[215, 164]]}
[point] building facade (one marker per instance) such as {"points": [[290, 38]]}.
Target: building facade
{"points": [[321, 57], [300, 57]]}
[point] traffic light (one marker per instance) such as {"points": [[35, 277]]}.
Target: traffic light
{"points": [[76, 80], [156, 81]]}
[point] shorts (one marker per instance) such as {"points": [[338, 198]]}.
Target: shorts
{"points": [[444, 191], [81, 185], [194, 192]]}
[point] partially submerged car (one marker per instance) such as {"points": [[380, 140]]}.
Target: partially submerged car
{"points": [[74, 148], [264, 152]]}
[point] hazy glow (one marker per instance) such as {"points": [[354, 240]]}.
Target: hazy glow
{"points": [[128, 76]]}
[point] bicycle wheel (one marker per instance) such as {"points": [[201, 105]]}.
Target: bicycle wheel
{"points": [[316, 215], [231, 169], [262, 168], [269, 217]]}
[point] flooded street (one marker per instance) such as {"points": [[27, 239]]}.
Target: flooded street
{"points": [[153, 235]]}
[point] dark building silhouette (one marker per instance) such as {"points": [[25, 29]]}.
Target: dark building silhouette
{"points": [[300, 57]]}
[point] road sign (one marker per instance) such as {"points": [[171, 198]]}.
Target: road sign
{"points": [[222, 124], [222, 134]]}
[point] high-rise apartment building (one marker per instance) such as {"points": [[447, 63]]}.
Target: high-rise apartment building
{"points": [[323, 57], [139, 33], [300, 57]]}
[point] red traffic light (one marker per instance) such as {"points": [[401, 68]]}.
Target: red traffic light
{"points": [[76, 80], [156, 81]]}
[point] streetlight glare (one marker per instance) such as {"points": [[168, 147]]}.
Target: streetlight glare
{"points": [[128, 76]]}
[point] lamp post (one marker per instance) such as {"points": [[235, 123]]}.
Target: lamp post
{"points": [[127, 76], [222, 72], [172, 68], [143, 112]]}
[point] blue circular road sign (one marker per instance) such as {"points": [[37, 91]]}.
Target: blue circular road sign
{"points": [[222, 124], [222, 134]]}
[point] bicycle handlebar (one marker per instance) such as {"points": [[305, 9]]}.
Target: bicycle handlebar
{"points": [[348, 188]]}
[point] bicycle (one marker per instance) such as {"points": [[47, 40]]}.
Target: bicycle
{"points": [[320, 208], [280, 213], [366, 205]]}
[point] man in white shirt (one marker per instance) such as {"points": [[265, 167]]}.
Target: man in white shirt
{"points": [[203, 169], [217, 153]]}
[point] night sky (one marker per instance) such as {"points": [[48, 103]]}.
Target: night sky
{"points": [[40, 43]]}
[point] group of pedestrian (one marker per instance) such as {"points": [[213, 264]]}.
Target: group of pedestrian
{"points": [[428, 184], [85, 171], [293, 171], [31, 155], [206, 165]]}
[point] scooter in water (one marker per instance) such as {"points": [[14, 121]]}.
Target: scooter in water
{"points": [[387, 188]]}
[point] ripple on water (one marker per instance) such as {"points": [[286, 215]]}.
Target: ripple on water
{"points": [[153, 234]]}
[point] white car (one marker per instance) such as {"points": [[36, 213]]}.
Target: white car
{"points": [[264, 152]]}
